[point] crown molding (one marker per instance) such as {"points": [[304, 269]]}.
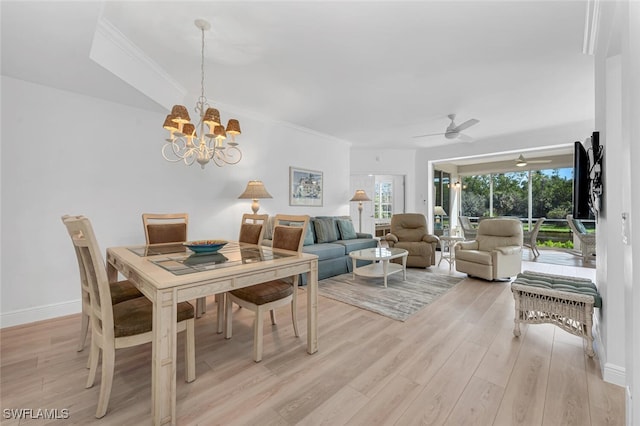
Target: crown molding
{"points": [[117, 54], [591, 27]]}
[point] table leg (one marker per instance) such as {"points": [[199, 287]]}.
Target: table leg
{"points": [[112, 273], [404, 267], [163, 358], [312, 308], [385, 267], [353, 269]]}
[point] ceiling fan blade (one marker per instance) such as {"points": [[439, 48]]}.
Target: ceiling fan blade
{"points": [[429, 134], [467, 124], [539, 161]]}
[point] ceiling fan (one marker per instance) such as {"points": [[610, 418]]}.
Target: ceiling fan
{"points": [[521, 161], [453, 130]]}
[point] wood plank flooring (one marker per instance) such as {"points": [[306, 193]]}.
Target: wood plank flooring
{"points": [[456, 362]]}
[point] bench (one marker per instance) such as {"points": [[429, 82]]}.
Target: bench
{"points": [[566, 302]]}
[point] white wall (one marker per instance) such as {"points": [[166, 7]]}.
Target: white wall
{"points": [[63, 153]]}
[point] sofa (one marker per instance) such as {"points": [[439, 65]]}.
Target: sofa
{"points": [[331, 238]]}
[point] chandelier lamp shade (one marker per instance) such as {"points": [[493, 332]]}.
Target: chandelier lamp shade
{"points": [[255, 190], [360, 196], [206, 140]]}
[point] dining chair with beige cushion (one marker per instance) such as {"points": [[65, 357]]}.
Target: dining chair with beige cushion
{"points": [[163, 228], [288, 234], [120, 291], [122, 325]]}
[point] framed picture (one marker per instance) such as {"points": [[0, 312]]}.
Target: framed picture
{"points": [[305, 187]]}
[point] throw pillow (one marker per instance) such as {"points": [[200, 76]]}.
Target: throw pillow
{"points": [[308, 236], [347, 231], [326, 230]]}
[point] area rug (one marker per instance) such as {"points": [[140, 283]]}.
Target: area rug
{"points": [[398, 301]]}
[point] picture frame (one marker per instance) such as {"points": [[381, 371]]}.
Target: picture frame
{"points": [[305, 187]]}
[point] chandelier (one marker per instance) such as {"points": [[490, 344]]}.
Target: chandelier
{"points": [[205, 141]]}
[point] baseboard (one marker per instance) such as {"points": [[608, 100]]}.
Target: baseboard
{"points": [[39, 313], [611, 373], [615, 374]]}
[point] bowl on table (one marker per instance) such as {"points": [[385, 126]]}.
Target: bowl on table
{"points": [[205, 246]]}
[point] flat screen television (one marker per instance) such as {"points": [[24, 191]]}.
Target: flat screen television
{"points": [[581, 190]]}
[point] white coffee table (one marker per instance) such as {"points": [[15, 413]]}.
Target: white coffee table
{"points": [[447, 249], [381, 266]]}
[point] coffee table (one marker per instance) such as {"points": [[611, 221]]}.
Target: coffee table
{"points": [[381, 266]]}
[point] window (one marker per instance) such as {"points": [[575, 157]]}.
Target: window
{"points": [[442, 197], [383, 200], [507, 194]]}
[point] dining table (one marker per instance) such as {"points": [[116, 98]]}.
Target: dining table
{"points": [[171, 273]]}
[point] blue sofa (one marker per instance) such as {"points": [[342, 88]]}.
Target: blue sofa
{"points": [[331, 238]]}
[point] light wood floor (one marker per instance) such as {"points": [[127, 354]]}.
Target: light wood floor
{"points": [[456, 362]]}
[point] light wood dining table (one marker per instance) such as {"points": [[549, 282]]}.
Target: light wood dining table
{"points": [[169, 273]]}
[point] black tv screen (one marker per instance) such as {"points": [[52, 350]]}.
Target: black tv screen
{"points": [[581, 193]]}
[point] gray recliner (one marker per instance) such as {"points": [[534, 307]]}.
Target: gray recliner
{"points": [[496, 253]]}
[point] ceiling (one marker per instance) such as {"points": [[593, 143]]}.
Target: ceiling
{"points": [[373, 73]]}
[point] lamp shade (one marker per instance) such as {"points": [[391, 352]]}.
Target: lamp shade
{"points": [[439, 211], [255, 190], [360, 195]]}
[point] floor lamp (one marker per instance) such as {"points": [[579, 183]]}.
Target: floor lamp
{"points": [[360, 196]]}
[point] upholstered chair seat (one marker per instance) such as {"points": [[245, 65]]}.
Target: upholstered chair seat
{"points": [[288, 234], [136, 316]]}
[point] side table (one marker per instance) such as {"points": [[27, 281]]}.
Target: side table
{"points": [[447, 251]]}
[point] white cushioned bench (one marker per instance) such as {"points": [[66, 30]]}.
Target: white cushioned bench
{"points": [[564, 301]]}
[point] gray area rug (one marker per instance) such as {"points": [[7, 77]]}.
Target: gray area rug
{"points": [[399, 300]]}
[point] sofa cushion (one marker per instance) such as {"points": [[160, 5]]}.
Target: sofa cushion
{"points": [[357, 244], [347, 231], [325, 250], [561, 283], [326, 230]]}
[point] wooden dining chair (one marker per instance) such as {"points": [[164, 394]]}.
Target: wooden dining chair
{"points": [[122, 325], [120, 292], [270, 295], [252, 228], [162, 228]]}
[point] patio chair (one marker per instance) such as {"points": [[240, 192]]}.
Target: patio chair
{"points": [[587, 240], [530, 238], [467, 228]]}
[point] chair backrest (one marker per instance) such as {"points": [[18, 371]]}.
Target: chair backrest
{"points": [[165, 227], [84, 284], [499, 233], [84, 240], [252, 228], [536, 228], [577, 227], [409, 227], [289, 231], [467, 228]]}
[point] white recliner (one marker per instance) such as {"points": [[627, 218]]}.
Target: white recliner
{"points": [[496, 253]]}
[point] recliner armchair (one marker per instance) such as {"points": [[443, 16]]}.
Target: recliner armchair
{"points": [[409, 232], [496, 252]]}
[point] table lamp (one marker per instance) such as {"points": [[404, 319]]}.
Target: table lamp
{"points": [[360, 196], [254, 191], [438, 211]]}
